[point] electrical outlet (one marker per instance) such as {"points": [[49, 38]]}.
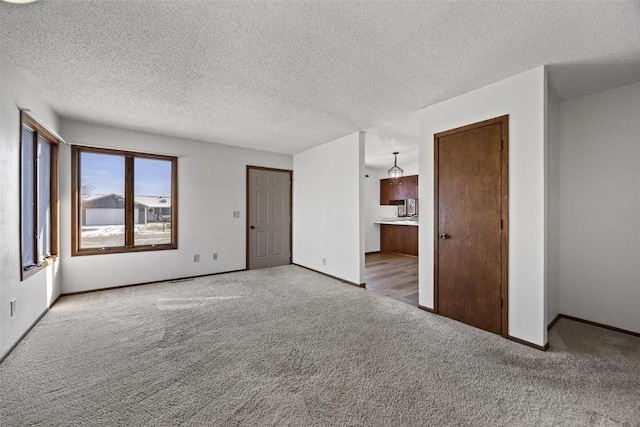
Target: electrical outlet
{"points": [[196, 258], [236, 214], [215, 256], [13, 307], [324, 261]]}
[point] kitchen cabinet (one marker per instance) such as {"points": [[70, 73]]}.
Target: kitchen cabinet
{"points": [[387, 192], [391, 194], [399, 239], [409, 187]]}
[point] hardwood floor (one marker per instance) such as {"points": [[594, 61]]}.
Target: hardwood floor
{"points": [[395, 276]]}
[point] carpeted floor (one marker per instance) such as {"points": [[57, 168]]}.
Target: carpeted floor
{"points": [[286, 346]]}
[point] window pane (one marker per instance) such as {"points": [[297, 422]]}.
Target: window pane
{"points": [[28, 191], [101, 200], [152, 195], [44, 199]]}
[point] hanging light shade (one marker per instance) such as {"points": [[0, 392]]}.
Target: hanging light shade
{"points": [[395, 173]]}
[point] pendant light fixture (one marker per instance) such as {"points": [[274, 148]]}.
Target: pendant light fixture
{"points": [[395, 173]]}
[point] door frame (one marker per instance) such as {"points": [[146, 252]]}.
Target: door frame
{"points": [[504, 289], [246, 214]]}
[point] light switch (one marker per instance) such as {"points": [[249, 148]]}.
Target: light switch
{"points": [[236, 214]]}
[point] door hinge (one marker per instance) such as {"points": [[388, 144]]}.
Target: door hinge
{"points": [[501, 145], [501, 305], [501, 224]]}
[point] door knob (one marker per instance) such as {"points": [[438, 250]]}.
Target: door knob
{"points": [[444, 236], [252, 227]]}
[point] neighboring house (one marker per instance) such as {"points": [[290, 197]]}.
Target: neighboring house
{"points": [[109, 210], [153, 208]]}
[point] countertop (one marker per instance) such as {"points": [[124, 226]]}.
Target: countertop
{"points": [[397, 221]]}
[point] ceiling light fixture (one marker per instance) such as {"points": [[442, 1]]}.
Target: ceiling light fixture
{"points": [[19, 1], [395, 173]]}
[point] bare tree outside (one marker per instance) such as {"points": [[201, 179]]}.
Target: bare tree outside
{"points": [[87, 190]]}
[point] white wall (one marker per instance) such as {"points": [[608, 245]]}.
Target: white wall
{"points": [[522, 97], [211, 185], [328, 209], [373, 210], [552, 230], [34, 295], [409, 168], [600, 207]]}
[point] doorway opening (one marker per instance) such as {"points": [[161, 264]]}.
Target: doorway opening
{"points": [[391, 229]]}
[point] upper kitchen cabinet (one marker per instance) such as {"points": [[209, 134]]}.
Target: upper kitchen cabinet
{"points": [[391, 194], [409, 188], [387, 192]]}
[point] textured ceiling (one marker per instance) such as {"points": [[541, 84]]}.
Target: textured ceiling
{"points": [[286, 76]]}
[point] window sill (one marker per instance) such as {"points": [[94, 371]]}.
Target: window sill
{"points": [[38, 267], [122, 250]]}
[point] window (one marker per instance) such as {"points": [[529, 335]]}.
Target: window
{"points": [[123, 201], [39, 196]]}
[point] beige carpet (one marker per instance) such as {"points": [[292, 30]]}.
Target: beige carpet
{"points": [[286, 346]]}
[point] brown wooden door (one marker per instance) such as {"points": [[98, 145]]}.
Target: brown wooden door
{"points": [[470, 193], [268, 217]]}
